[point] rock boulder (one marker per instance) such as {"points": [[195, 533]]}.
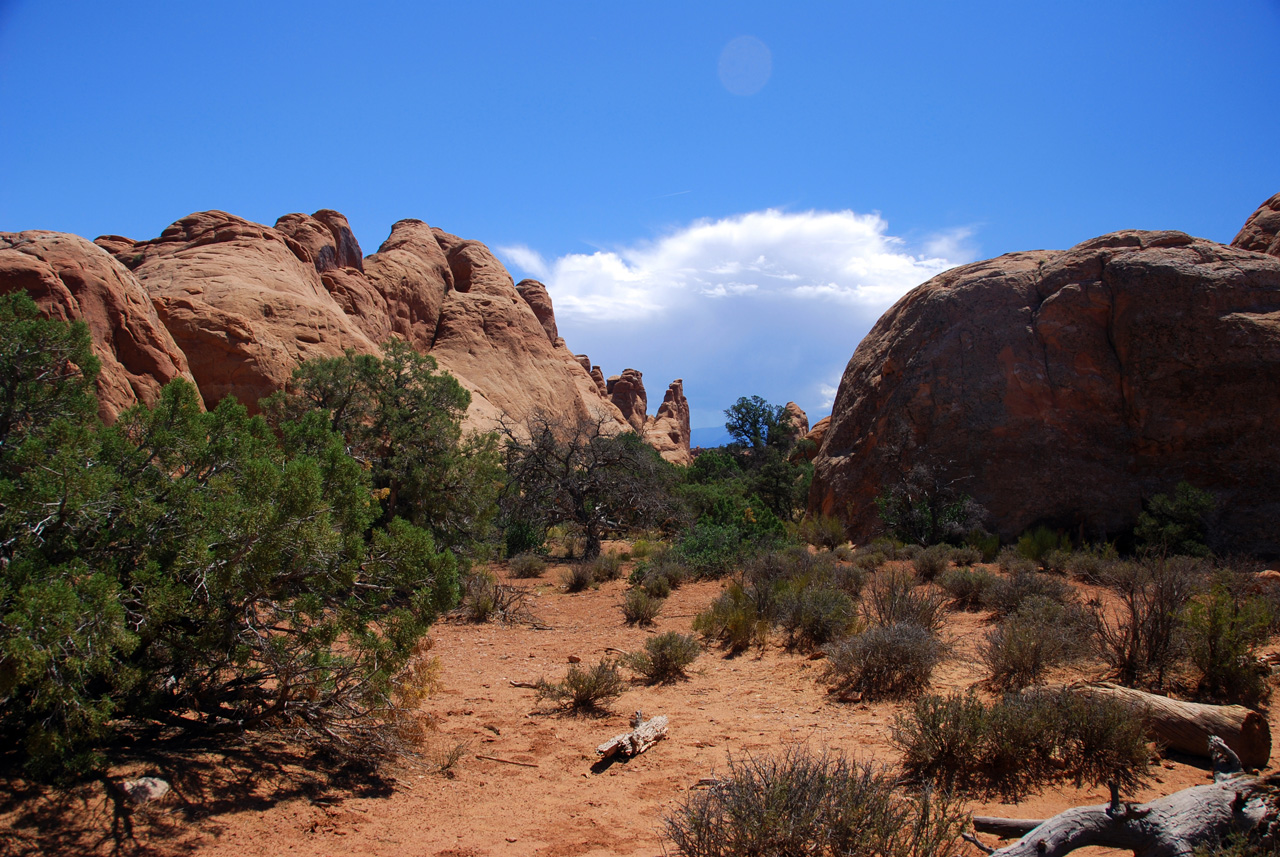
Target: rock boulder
{"points": [[1261, 232], [1067, 387]]}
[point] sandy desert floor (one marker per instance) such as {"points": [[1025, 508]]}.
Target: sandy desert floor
{"points": [[538, 789]]}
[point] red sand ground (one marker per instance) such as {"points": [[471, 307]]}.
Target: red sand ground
{"points": [[552, 805]]}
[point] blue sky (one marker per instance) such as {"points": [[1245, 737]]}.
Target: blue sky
{"points": [[728, 192]]}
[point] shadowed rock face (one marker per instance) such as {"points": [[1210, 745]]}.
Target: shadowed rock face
{"points": [[668, 430], [627, 393], [71, 279], [1068, 386]]}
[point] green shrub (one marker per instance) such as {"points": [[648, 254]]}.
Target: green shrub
{"points": [[523, 537], [986, 542], [1011, 561], [800, 803], [894, 598], [869, 561], [1092, 564], [656, 585], [1177, 524], [813, 616], [665, 657], [883, 662], [527, 566], [966, 556], [825, 531], [1021, 741], [967, 587], [931, 562], [1039, 635], [1036, 543], [642, 549], [579, 577], [585, 688], [733, 619], [641, 608], [1008, 594], [1224, 628], [1057, 561], [844, 553]]}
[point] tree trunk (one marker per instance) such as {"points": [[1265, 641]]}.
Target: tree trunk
{"points": [[1170, 826], [1186, 726]]}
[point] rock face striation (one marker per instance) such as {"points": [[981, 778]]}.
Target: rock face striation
{"points": [[234, 306], [1067, 387], [71, 279]]}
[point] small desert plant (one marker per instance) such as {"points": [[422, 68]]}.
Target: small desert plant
{"points": [[1056, 561], [483, 599], [825, 531], [733, 619], [1008, 594], [931, 562], [988, 543], [813, 616], [527, 565], [1041, 634], [656, 585], [1224, 628], [642, 549], [1145, 640], [883, 662], [894, 598], [639, 607], [814, 804], [869, 561], [579, 577], [967, 587], [665, 657], [966, 556], [844, 553], [584, 689], [1092, 563], [958, 742], [1036, 543]]}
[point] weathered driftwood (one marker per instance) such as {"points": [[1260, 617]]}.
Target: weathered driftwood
{"points": [[1171, 826], [635, 742], [1186, 726]]}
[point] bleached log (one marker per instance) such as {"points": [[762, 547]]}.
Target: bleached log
{"points": [[1171, 826], [635, 742], [1186, 726]]}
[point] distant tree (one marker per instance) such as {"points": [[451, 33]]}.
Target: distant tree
{"points": [[581, 472], [756, 424]]}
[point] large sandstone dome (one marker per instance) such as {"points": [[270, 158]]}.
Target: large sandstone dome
{"points": [[1067, 387], [234, 306]]}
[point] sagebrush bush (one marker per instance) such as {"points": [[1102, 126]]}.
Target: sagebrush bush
{"points": [[825, 531], [813, 616], [606, 567], [584, 688], [665, 657], [884, 661], [1039, 635], [640, 608], [642, 549], [802, 803], [579, 577], [1013, 562], [966, 556], [932, 561], [733, 619], [1145, 640], [967, 587], [1092, 564], [869, 561], [483, 599], [1020, 741], [526, 566], [894, 598], [1007, 594], [844, 553]]}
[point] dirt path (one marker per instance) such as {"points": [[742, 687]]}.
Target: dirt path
{"points": [[558, 802]]}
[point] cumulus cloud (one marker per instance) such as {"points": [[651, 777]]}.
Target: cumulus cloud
{"points": [[769, 302]]}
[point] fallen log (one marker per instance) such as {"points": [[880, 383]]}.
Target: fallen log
{"points": [[633, 743], [1005, 828], [1172, 826], [1186, 726]]}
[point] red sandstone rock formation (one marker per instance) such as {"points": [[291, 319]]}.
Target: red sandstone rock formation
{"points": [[799, 419], [1068, 386], [71, 279], [668, 430], [1261, 232], [535, 295], [626, 391]]}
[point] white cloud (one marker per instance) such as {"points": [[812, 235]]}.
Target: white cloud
{"points": [[769, 302]]}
